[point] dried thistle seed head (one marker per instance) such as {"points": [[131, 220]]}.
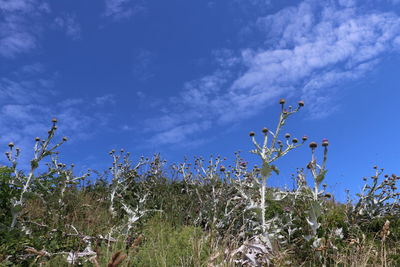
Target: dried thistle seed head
{"points": [[251, 134], [287, 135], [72, 165], [265, 130], [282, 101], [375, 167], [37, 139], [285, 112], [325, 142], [279, 142], [65, 139], [222, 168], [54, 120], [304, 138], [313, 145], [301, 103], [365, 178], [59, 165], [294, 141], [11, 144]]}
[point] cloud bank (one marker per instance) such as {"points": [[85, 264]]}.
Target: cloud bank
{"points": [[307, 51]]}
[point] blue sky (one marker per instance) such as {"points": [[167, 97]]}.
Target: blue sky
{"points": [[189, 78]]}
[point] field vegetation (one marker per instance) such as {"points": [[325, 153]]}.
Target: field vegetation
{"points": [[206, 212]]}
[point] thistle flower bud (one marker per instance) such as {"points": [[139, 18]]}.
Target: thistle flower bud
{"points": [[37, 139], [54, 120], [222, 168], [375, 167], [11, 144], [301, 103], [294, 141], [251, 134], [72, 165], [285, 112], [287, 135], [265, 130], [325, 142], [65, 139], [59, 165], [304, 138], [282, 101], [313, 145]]}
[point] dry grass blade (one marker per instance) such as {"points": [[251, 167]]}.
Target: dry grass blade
{"points": [[137, 242], [35, 251], [116, 259]]}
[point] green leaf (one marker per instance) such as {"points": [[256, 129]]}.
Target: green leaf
{"points": [[34, 164], [321, 176], [266, 170], [275, 169]]}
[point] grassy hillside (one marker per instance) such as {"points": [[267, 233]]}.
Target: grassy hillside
{"points": [[200, 213]]}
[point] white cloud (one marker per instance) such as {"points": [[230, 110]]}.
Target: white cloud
{"points": [[105, 99], [308, 51], [143, 65], [19, 25], [27, 104], [70, 25], [122, 9]]}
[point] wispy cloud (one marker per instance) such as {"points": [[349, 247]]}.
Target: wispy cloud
{"points": [[142, 65], [307, 51], [122, 9], [19, 25], [28, 103], [107, 99], [70, 25]]}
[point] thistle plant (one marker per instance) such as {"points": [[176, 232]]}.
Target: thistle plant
{"points": [[126, 178], [65, 177], [318, 173], [43, 148], [270, 150], [377, 199]]}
